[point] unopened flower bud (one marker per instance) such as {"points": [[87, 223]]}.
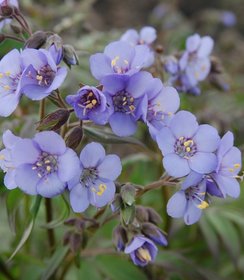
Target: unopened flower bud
{"points": [[219, 81], [171, 65], [142, 214], [128, 214], [74, 137], [54, 45], [37, 40], [154, 233], [54, 120], [120, 238], [75, 242], [2, 38], [70, 56], [128, 193], [16, 28], [116, 203], [6, 10], [154, 217]]}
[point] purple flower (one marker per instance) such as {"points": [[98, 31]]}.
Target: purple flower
{"points": [[93, 184], [163, 102], [154, 233], [6, 160], [4, 21], [89, 103], [44, 164], [127, 100], [171, 65], [188, 202], [223, 181], [10, 74], [187, 147], [56, 52], [119, 58], [41, 75], [142, 250], [228, 18]]}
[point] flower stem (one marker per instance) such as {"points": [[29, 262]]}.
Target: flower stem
{"points": [[14, 38], [49, 218]]}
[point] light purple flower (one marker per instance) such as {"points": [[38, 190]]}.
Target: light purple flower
{"points": [[89, 103], [6, 160], [41, 75], [127, 100], [10, 74], [187, 147], [119, 58], [223, 181], [142, 250], [3, 3], [44, 164], [56, 52], [189, 202], [93, 184], [163, 102], [228, 18]]}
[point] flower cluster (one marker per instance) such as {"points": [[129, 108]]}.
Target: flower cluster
{"points": [[193, 65], [5, 4], [34, 74]]}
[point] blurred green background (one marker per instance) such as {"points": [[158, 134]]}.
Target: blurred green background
{"points": [[211, 249]]}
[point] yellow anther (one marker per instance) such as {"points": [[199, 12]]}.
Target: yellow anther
{"points": [[144, 255], [39, 175], [124, 98], [158, 104], [90, 94], [231, 169], [94, 102], [181, 138], [237, 165], [39, 78], [2, 157], [1, 75], [6, 87], [7, 73], [34, 168], [47, 161], [132, 107], [114, 61], [188, 143], [131, 99], [203, 205], [89, 106], [48, 168], [126, 61], [202, 193], [38, 164], [102, 188], [188, 149], [124, 103]]}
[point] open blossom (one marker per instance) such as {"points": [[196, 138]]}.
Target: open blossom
{"points": [[127, 101], [163, 102], [119, 58], [142, 250], [187, 146], [3, 3], [6, 160], [223, 181], [10, 74], [89, 103], [188, 202], [41, 75], [93, 184], [44, 164]]}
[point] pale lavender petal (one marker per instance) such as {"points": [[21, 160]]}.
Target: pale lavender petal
{"points": [[176, 166], [166, 141], [136, 243], [100, 65], [50, 186], [58, 80], [92, 155], [131, 36], [9, 139], [114, 83], [193, 42], [110, 168], [8, 104], [122, 124], [148, 35], [229, 186], [79, 198], [203, 163], [206, 46], [193, 213], [176, 206], [231, 162], [226, 143], [9, 180], [192, 180], [120, 49]]}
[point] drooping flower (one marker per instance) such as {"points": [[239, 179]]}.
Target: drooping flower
{"points": [[10, 90], [142, 250], [119, 58], [223, 181], [188, 202], [41, 75], [154, 233], [93, 184], [56, 53], [163, 102], [3, 20], [89, 103], [187, 146], [127, 101], [6, 160], [44, 164]]}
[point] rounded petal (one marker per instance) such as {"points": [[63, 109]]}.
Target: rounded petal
{"points": [[207, 138], [33, 57], [114, 83], [110, 168], [203, 163], [131, 36], [193, 213], [6, 64], [120, 49], [9, 139], [68, 165], [50, 142], [92, 154], [101, 193], [58, 80], [226, 143], [176, 166], [206, 46], [184, 124], [168, 100], [8, 104], [26, 179], [50, 186], [227, 185], [9, 180], [192, 180], [100, 65], [79, 198], [136, 243], [176, 206], [166, 141], [142, 57], [148, 34], [193, 42], [231, 162], [122, 124]]}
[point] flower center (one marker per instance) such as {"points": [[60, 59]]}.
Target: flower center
{"points": [[9, 82], [45, 165], [88, 102], [120, 66], [185, 147], [143, 254], [88, 176], [123, 102], [45, 76], [193, 193]]}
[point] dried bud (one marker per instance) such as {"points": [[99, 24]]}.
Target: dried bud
{"points": [[75, 242], [159, 49], [154, 217], [6, 10], [74, 137], [120, 238], [142, 214], [128, 193], [2, 38], [216, 66], [66, 237], [154, 233], [128, 214], [37, 40], [116, 203], [54, 120], [69, 55], [16, 28]]}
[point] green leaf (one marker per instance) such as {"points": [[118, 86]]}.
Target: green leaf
{"points": [[118, 268], [234, 216], [54, 262], [88, 271]]}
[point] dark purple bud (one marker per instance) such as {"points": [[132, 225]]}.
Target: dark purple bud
{"points": [[69, 55], [120, 238], [154, 233], [142, 214], [128, 193], [154, 217], [54, 120], [116, 203], [37, 40], [74, 137]]}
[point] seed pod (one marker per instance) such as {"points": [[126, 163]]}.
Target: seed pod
{"points": [[37, 40], [74, 137]]}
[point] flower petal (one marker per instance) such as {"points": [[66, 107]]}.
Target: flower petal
{"points": [[100, 65], [176, 206], [122, 124], [79, 198], [92, 154], [166, 141], [176, 166], [114, 83], [206, 46], [228, 186], [192, 180], [9, 180], [203, 163], [110, 168], [193, 213], [8, 104]]}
